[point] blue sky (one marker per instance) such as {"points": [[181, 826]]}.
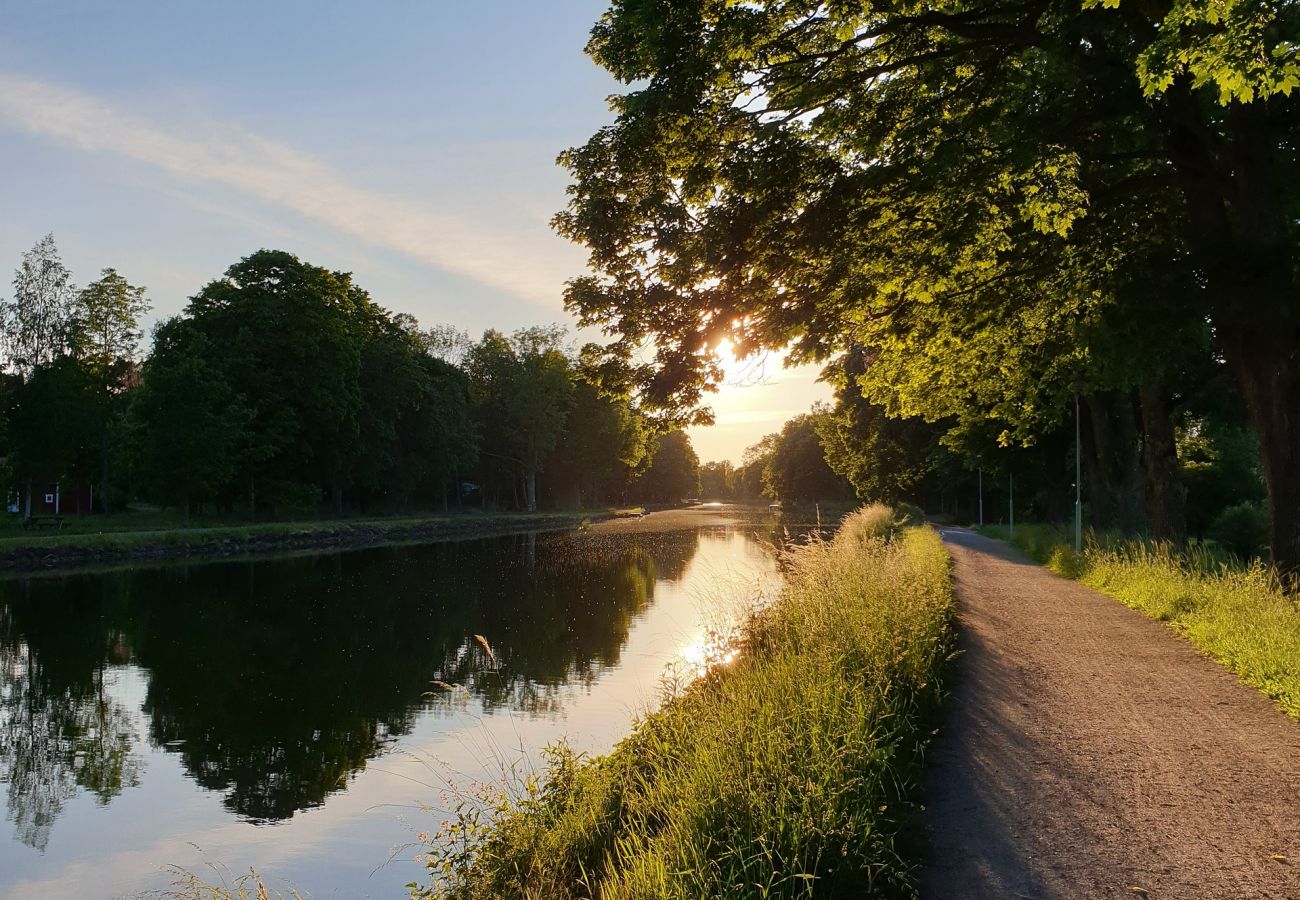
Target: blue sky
{"points": [[411, 143]]}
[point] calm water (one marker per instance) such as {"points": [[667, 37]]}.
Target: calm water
{"points": [[273, 713]]}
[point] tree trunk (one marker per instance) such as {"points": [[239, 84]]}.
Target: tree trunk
{"points": [[1114, 473], [1056, 477], [1267, 366], [103, 472], [530, 491], [28, 501], [1166, 499], [1235, 174], [1097, 440], [1128, 463]]}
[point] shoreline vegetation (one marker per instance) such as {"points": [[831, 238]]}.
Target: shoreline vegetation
{"points": [[792, 771], [61, 552], [1235, 612]]}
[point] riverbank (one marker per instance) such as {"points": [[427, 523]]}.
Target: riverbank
{"points": [[58, 552], [1234, 612], [791, 771]]}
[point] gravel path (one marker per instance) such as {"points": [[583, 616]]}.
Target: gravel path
{"points": [[1091, 752]]}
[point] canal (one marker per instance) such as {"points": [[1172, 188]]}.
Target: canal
{"points": [[283, 713]]}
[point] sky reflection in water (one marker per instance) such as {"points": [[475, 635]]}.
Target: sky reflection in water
{"points": [[277, 713]]}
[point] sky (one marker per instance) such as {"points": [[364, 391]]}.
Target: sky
{"points": [[410, 143]]}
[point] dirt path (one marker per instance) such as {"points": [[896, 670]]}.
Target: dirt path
{"points": [[1090, 752]]}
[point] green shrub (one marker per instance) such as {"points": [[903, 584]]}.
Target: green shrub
{"points": [[1241, 529]]}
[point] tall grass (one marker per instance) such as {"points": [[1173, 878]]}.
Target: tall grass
{"points": [[1234, 611], [791, 772]]}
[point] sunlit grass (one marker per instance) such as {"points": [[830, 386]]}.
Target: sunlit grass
{"points": [[790, 772], [1234, 611]]}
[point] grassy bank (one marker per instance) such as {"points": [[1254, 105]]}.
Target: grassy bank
{"points": [[791, 772], [61, 550], [1234, 612]]}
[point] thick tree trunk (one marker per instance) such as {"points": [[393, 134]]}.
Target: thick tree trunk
{"points": [[1056, 477], [1166, 499], [1234, 174], [1128, 465], [1267, 365], [1097, 441], [1115, 473]]}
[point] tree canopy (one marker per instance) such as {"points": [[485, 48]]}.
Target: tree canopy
{"points": [[1006, 203]]}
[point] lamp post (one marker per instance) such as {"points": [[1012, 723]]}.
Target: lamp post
{"points": [[1078, 477], [1011, 505], [980, 481]]}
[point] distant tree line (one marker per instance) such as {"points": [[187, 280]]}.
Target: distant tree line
{"points": [[284, 389], [984, 218]]}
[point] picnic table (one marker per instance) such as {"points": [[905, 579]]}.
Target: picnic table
{"points": [[39, 522]]}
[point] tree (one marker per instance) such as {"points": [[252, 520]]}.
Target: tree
{"points": [[105, 321], [287, 337], [718, 480], [605, 436], [796, 470], [789, 173], [53, 425], [36, 321], [674, 471], [186, 424], [105, 338], [884, 458], [522, 392]]}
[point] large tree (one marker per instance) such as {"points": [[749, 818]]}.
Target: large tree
{"points": [[820, 174], [36, 321], [522, 393]]}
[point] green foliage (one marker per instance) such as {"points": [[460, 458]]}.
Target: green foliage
{"points": [[1242, 529], [186, 426], [1004, 204], [106, 321], [797, 471], [54, 423], [674, 471], [718, 481], [787, 773], [35, 323]]}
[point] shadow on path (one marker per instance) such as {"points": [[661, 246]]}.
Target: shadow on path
{"points": [[1090, 752]]}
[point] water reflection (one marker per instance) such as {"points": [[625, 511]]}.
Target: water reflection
{"points": [[272, 684], [276, 681]]}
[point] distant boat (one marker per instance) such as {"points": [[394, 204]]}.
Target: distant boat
{"points": [[776, 507]]}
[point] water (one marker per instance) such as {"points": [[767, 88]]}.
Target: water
{"points": [[276, 714]]}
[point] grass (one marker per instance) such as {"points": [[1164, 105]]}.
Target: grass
{"points": [[791, 772], [156, 537], [1236, 612]]}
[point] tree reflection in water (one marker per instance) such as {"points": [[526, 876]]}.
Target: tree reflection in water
{"points": [[277, 680]]}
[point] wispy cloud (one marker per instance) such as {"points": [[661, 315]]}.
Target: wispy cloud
{"points": [[530, 266]]}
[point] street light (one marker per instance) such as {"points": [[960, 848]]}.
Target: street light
{"points": [[1078, 476]]}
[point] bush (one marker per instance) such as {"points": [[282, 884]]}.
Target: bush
{"points": [[1241, 529]]}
